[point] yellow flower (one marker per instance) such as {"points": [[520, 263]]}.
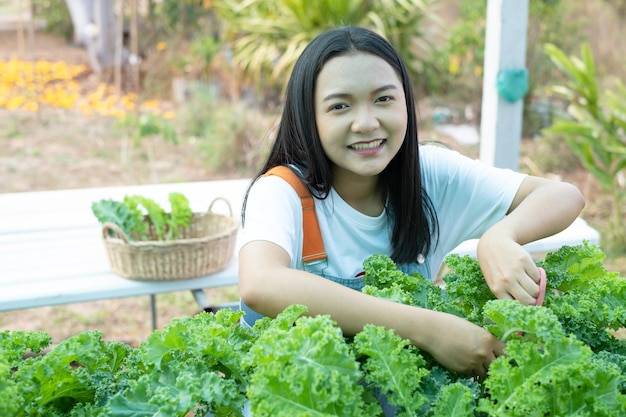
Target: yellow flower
{"points": [[117, 113], [169, 115], [31, 106], [161, 46], [150, 104], [15, 103], [454, 65]]}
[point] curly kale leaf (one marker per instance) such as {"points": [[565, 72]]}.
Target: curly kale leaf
{"points": [[79, 370], [544, 371], [126, 217], [181, 385], [559, 378], [383, 279], [180, 215], [454, 400], [466, 286], [304, 369], [214, 339], [11, 401], [394, 366], [193, 363], [509, 318], [587, 298], [15, 344]]}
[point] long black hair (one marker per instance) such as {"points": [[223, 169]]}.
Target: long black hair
{"points": [[297, 142]]}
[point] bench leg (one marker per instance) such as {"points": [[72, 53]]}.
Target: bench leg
{"points": [[205, 305], [153, 311], [201, 299]]}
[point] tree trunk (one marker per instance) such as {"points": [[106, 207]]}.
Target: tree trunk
{"points": [[94, 27]]}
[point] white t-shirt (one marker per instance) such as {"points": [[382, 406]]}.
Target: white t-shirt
{"points": [[468, 197]]}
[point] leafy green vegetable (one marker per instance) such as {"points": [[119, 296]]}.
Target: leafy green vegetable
{"points": [[304, 368], [454, 400], [550, 373], [587, 298], [392, 365], [155, 224], [560, 359], [155, 213], [126, 217], [180, 215]]}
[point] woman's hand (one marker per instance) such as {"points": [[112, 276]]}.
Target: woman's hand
{"points": [[541, 208], [509, 270], [463, 347]]}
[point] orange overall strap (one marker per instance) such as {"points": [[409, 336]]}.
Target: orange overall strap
{"points": [[312, 246]]}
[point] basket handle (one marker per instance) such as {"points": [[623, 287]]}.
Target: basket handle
{"points": [[230, 210], [117, 231]]}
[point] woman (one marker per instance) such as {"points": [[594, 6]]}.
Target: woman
{"points": [[349, 129]]}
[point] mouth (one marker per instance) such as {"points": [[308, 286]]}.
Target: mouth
{"points": [[367, 146]]}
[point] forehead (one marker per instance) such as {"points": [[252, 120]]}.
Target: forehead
{"points": [[356, 71]]}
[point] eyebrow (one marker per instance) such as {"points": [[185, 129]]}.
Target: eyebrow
{"points": [[344, 95]]}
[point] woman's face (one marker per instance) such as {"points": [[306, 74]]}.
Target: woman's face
{"points": [[360, 113]]}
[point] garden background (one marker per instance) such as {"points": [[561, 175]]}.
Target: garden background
{"points": [[204, 93]]}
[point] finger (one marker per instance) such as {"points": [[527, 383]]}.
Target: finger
{"points": [[505, 296], [520, 294], [528, 285], [498, 349], [480, 373], [533, 272]]}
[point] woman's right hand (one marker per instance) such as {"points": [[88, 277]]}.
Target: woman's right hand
{"points": [[464, 347]]}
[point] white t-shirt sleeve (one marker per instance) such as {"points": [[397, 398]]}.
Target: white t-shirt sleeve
{"points": [[273, 214], [468, 195]]}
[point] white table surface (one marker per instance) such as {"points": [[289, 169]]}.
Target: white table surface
{"points": [[51, 249]]}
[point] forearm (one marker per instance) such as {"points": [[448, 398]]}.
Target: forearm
{"points": [[547, 209], [349, 308], [268, 286]]}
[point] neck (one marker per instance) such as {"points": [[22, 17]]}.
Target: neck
{"points": [[364, 194]]}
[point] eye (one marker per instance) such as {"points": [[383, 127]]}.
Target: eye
{"points": [[338, 106], [384, 99]]}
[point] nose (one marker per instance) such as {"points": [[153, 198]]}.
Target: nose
{"points": [[365, 120]]}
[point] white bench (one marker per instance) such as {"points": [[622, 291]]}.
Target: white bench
{"points": [[51, 251]]}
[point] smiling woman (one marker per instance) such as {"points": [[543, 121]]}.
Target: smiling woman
{"points": [[349, 132]]}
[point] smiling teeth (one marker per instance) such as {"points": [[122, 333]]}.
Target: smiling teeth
{"points": [[366, 146]]}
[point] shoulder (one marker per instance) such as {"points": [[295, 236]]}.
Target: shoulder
{"points": [[272, 194], [434, 155], [448, 172], [440, 165]]}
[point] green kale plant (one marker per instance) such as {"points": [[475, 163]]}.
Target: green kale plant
{"points": [[561, 359]]}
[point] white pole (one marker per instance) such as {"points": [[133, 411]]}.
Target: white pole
{"points": [[505, 48]]}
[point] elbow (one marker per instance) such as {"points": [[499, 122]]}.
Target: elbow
{"points": [[577, 198], [257, 292], [250, 294]]}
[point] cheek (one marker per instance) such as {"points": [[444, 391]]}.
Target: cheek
{"points": [[401, 123], [326, 129]]}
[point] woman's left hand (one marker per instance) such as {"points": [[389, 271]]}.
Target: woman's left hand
{"points": [[541, 208], [509, 270]]}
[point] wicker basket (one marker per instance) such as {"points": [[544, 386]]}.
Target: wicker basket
{"points": [[205, 246]]}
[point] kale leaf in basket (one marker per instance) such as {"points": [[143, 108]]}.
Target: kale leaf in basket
{"points": [[141, 218]]}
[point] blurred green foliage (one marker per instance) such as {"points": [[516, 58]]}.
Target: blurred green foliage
{"points": [[595, 129], [267, 36], [457, 66], [56, 16]]}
